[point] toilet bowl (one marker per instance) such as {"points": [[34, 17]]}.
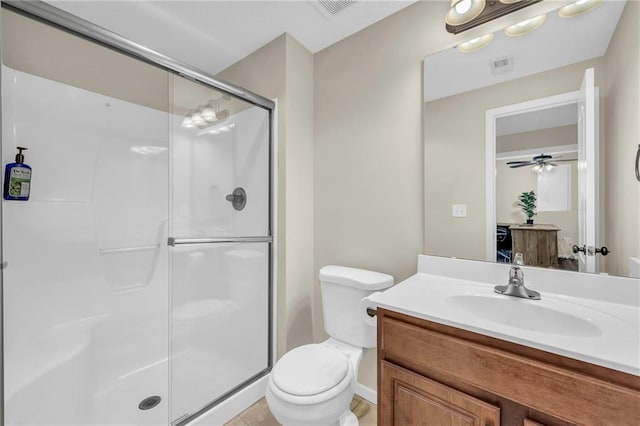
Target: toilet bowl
{"points": [[314, 384]]}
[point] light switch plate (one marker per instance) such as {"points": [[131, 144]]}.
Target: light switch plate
{"points": [[459, 210]]}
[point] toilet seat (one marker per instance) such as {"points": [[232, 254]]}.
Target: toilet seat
{"points": [[310, 374]]}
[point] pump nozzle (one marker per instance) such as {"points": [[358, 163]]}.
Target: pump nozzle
{"points": [[19, 155]]}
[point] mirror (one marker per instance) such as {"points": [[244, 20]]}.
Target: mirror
{"points": [[514, 117]]}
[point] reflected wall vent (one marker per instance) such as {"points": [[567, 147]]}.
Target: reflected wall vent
{"points": [[335, 6], [502, 65]]}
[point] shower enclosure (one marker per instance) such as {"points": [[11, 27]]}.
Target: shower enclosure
{"points": [[137, 279]]}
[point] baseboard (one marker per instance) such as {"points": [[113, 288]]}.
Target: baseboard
{"points": [[367, 393]]}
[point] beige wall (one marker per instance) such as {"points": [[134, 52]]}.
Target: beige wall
{"points": [[556, 136], [48, 52], [283, 69], [369, 177], [622, 136], [454, 155], [368, 150], [510, 183]]}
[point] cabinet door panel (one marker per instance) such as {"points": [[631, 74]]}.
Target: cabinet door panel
{"points": [[417, 400], [561, 393]]}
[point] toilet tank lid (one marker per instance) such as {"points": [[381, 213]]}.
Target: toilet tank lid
{"points": [[356, 278]]}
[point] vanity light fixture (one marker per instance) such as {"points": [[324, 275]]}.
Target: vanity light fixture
{"points": [[466, 14], [526, 26], [220, 126], [204, 116], [475, 43], [578, 8]]}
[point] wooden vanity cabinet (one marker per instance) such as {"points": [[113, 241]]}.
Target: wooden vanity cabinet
{"points": [[432, 374]]}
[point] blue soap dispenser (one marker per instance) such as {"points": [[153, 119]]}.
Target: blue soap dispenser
{"points": [[17, 178]]}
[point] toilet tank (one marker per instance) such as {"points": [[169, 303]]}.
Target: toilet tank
{"points": [[342, 291]]}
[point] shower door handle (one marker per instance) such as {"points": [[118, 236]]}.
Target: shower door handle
{"points": [[190, 241]]}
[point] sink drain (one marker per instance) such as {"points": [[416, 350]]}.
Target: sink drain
{"points": [[149, 403]]}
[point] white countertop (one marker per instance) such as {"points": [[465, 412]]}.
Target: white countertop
{"points": [[602, 329]]}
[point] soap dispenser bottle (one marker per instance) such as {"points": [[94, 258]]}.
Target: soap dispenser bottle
{"points": [[17, 179]]}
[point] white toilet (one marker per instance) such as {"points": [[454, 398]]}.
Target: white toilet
{"points": [[314, 384]]}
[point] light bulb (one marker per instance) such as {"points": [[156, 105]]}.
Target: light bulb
{"points": [[197, 119], [475, 43], [208, 114], [578, 8], [464, 11], [463, 6], [526, 26], [187, 123]]}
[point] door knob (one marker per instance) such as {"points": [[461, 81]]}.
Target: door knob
{"points": [[603, 250], [575, 249]]}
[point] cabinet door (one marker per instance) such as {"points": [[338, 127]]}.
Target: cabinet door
{"points": [[528, 422], [408, 399]]}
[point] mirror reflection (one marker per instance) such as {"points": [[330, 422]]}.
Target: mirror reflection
{"points": [[529, 145]]}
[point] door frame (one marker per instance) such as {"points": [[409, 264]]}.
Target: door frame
{"points": [[491, 117]]}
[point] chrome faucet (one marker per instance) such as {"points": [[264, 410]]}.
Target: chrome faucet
{"points": [[516, 286]]}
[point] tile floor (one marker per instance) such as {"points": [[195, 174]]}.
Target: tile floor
{"points": [[259, 415]]}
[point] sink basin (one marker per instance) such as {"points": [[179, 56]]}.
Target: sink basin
{"points": [[527, 314]]}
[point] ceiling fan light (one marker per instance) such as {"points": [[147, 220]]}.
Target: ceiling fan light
{"points": [[463, 11], [537, 168], [509, 1], [475, 43], [526, 26], [578, 8]]}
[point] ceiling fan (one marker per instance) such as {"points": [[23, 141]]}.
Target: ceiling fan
{"points": [[539, 162]]}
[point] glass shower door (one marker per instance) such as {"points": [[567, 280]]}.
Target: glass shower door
{"points": [[86, 291], [220, 232]]}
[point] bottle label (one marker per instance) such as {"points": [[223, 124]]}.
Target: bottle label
{"points": [[19, 182]]}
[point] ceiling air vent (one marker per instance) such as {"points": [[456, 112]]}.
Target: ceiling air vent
{"points": [[335, 6], [502, 65]]}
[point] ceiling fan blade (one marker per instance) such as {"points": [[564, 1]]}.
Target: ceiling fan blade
{"points": [[513, 166], [570, 159], [519, 162]]}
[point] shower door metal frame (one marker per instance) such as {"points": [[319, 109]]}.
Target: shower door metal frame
{"points": [[65, 21]]}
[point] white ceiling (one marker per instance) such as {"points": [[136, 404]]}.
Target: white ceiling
{"points": [[558, 42], [212, 35]]}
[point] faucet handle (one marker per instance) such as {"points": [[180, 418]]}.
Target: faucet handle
{"points": [[518, 259]]}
